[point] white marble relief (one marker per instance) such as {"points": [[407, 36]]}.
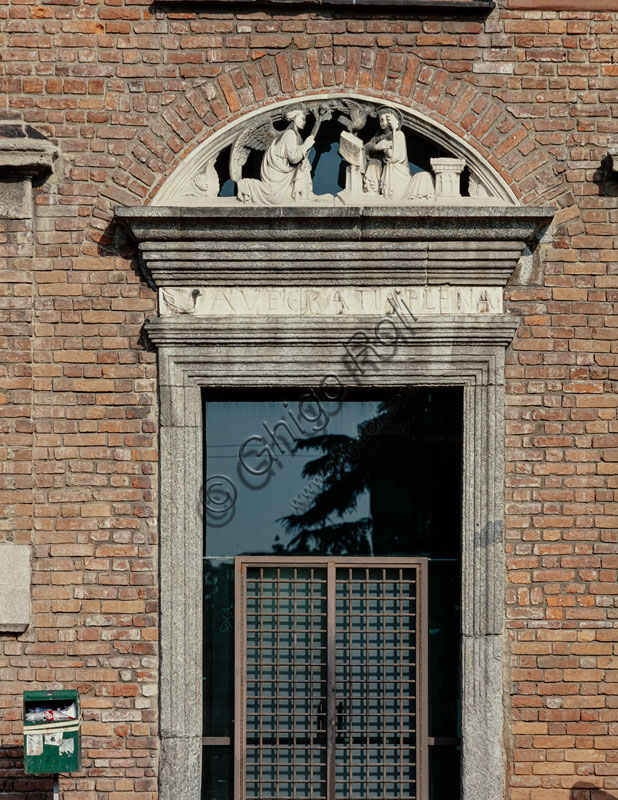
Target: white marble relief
{"points": [[178, 301], [477, 190], [448, 177], [205, 183], [285, 173], [272, 157], [329, 300], [379, 169]]}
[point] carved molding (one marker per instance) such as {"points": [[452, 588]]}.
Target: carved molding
{"points": [[364, 246], [325, 333]]}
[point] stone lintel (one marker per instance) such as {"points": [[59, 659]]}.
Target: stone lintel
{"points": [[321, 334]]}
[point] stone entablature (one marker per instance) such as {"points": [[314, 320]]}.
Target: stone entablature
{"points": [[353, 246]]}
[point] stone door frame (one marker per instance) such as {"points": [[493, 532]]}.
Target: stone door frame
{"points": [[474, 362]]}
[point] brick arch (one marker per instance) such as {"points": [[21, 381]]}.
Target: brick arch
{"points": [[481, 120]]}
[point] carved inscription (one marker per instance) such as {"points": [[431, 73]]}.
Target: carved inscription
{"points": [[329, 301]]}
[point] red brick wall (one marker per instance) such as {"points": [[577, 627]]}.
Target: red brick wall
{"points": [[126, 92]]}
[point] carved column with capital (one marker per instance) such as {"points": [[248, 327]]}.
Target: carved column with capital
{"points": [[448, 177]]}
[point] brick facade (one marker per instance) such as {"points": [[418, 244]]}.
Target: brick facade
{"points": [[126, 90]]}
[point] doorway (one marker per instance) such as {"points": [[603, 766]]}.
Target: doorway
{"points": [[368, 476]]}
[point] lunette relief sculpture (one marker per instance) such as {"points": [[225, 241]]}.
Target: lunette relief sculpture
{"points": [[377, 170], [276, 158], [205, 182]]}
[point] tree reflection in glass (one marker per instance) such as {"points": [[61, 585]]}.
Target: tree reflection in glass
{"points": [[407, 458]]}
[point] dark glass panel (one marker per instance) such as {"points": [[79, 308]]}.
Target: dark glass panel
{"points": [[218, 647], [445, 772], [217, 773], [398, 456]]}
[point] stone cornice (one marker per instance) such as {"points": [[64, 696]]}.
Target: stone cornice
{"points": [[24, 155], [23, 151], [364, 245]]}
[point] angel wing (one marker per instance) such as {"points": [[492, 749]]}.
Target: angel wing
{"points": [[254, 137]]}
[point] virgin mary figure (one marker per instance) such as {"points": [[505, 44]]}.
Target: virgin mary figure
{"points": [[392, 177]]}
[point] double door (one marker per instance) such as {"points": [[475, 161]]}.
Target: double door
{"points": [[331, 678]]}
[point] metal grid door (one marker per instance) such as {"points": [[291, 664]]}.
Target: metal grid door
{"points": [[331, 678]]}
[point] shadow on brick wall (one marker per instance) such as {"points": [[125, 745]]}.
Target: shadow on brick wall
{"points": [[606, 179], [115, 240], [588, 791], [15, 784]]}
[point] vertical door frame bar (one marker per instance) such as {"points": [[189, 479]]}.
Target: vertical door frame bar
{"points": [[422, 685], [240, 683], [331, 699]]}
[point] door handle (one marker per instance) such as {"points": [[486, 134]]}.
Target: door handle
{"points": [[321, 718], [339, 722]]}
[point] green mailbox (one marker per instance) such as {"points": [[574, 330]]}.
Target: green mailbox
{"points": [[52, 732]]}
